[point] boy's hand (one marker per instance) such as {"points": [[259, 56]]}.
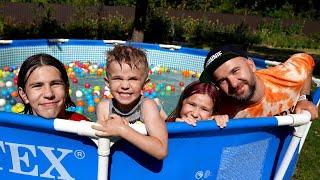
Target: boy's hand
{"points": [[221, 120], [114, 126]]}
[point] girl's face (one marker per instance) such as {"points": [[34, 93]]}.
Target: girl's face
{"points": [[125, 84], [197, 106], [45, 91]]}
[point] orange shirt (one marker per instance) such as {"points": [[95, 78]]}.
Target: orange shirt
{"points": [[283, 84]]}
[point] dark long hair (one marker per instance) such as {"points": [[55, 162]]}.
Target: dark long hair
{"points": [[38, 60], [195, 87]]}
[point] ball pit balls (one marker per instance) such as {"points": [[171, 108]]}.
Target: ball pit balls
{"points": [[14, 93], [91, 109], [2, 84], [2, 102], [80, 103], [74, 80], [87, 85], [9, 84], [79, 94]]}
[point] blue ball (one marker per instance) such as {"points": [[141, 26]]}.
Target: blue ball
{"points": [[7, 108], [145, 94], [13, 101]]}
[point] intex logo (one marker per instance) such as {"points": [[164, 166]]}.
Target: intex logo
{"points": [[213, 57], [22, 160]]}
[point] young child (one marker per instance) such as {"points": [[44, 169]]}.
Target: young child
{"points": [[127, 73], [197, 102], [43, 86]]}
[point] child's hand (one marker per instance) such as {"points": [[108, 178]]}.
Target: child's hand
{"points": [[114, 126], [188, 120], [221, 120]]}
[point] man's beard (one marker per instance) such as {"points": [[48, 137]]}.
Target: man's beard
{"points": [[247, 98]]}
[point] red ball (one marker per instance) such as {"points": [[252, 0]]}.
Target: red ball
{"points": [[74, 80], [181, 83], [87, 85]]}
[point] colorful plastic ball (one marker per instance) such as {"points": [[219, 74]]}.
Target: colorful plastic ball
{"points": [[2, 102], [96, 100], [194, 75], [87, 85], [181, 84], [14, 94], [91, 109], [8, 96], [7, 108], [9, 84], [80, 103], [2, 84], [79, 94], [12, 101], [15, 80], [154, 94], [96, 88], [70, 92], [173, 88], [79, 109], [168, 88], [74, 80], [145, 94]]}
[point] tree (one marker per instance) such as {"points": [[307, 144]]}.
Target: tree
{"points": [[139, 20]]}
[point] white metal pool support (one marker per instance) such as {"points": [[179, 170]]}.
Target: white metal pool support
{"points": [[298, 135], [83, 128]]}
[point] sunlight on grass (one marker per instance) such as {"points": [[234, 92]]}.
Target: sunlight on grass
{"points": [[308, 163]]}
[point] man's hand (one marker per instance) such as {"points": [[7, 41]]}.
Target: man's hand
{"points": [[308, 106]]}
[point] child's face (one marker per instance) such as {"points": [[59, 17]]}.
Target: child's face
{"points": [[197, 106], [125, 83], [45, 92]]}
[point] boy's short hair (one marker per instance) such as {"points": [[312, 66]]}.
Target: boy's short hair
{"points": [[134, 57]]}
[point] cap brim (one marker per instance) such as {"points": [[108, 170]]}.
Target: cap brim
{"points": [[206, 76]]}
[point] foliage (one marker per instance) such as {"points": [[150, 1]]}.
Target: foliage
{"points": [[309, 9]]}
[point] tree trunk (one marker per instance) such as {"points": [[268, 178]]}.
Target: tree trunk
{"points": [[139, 20]]}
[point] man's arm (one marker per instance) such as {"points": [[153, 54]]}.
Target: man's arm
{"points": [[305, 104]]}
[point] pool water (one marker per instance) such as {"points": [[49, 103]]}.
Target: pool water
{"points": [[88, 86]]}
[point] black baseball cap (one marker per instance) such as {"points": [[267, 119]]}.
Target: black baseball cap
{"points": [[217, 57]]}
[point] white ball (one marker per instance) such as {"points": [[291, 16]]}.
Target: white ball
{"points": [[79, 94], [97, 93], [71, 65], [106, 93], [106, 88], [9, 84], [2, 102]]}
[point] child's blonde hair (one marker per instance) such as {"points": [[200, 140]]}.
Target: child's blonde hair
{"points": [[134, 57]]}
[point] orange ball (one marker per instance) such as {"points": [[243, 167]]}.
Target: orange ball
{"points": [[80, 103], [91, 109], [96, 100], [14, 93]]}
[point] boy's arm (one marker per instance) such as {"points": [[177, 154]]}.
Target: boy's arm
{"points": [[156, 142], [102, 111]]}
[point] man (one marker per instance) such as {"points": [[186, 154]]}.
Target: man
{"points": [[248, 92]]}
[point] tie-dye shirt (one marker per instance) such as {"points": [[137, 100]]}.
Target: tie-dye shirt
{"points": [[283, 84]]}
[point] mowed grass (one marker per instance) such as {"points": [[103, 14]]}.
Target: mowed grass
{"points": [[309, 159]]}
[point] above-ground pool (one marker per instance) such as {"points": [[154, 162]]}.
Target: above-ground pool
{"points": [[34, 148]]}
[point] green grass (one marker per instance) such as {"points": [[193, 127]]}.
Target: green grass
{"points": [[309, 159]]}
